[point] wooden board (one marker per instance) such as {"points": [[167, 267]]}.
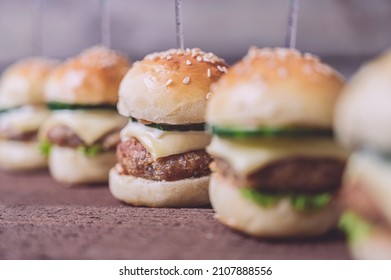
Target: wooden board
{"points": [[39, 219]]}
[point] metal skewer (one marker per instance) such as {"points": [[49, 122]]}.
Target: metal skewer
{"points": [[179, 27], [291, 30], [105, 30], [37, 28]]}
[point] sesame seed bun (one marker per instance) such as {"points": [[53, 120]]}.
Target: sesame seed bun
{"points": [[278, 221], [276, 87], [92, 77], [170, 87], [23, 82], [189, 192], [363, 115]]}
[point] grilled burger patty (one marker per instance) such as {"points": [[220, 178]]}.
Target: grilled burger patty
{"points": [[135, 160], [10, 134], [63, 136], [296, 174]]}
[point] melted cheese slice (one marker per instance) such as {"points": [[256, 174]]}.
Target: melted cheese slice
{"points": [[161, 143], [247, 156], [374, 175], [24, 119], [89, 125]]}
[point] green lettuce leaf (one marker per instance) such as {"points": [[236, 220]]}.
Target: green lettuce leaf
{"points": [[90, 151], [300, 202], [265, 200], [269, 132], [355, 227], [175, 127], [45, 147], [308, 202], [66, 106]]}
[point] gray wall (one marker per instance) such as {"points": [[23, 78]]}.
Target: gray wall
{"points": [[226, 27]]}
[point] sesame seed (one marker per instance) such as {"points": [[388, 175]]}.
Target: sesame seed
{"points": [[311, 57], [169, 82], [271, 63], [186, 80], [209, 73], [222, 69], [323, 69], [295, 53], [208, 95], [199, 58], [282, 72], [281, 53], [168, 57], [188, 62], [307, 69]]}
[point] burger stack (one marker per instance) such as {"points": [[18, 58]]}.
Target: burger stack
{"points": [[277, 170], [362, 123], [162, 160], [82, 133], [22, 112]]}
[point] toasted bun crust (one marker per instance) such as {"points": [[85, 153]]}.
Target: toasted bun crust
{"points": [[92, 77], [170, 87], [190, 192], [363, 115], [23, 82], [70, 167], [278, 221], [275, 87], [21, 156]]}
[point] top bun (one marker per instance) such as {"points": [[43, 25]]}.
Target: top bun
{"points": [[92, 77], [23, 82], [276, 87], [363, 113], [170, 87]]}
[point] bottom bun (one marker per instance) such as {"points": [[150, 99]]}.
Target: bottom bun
{"points": [[20, 155], [142, 192], [71, 167], [376, 246], [277, 221]]}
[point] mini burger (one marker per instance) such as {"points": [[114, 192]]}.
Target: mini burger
{"points": [[83, 131], [362, 123], [277, 169], [162, 160], [22, 111]]}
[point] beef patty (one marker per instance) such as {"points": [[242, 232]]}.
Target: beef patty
{"points": [[13, 135], [64, 136], [135, 160], [296, 174]]}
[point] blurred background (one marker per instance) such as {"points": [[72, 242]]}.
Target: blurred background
{"points": [[343, 32]]}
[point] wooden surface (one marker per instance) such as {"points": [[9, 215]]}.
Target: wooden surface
{"points": [[39, 219]]}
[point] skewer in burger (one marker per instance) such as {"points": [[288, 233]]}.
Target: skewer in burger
{"points": [[277, 169], [162, 160], [362, 123], [83, 131], [22, 111]]}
